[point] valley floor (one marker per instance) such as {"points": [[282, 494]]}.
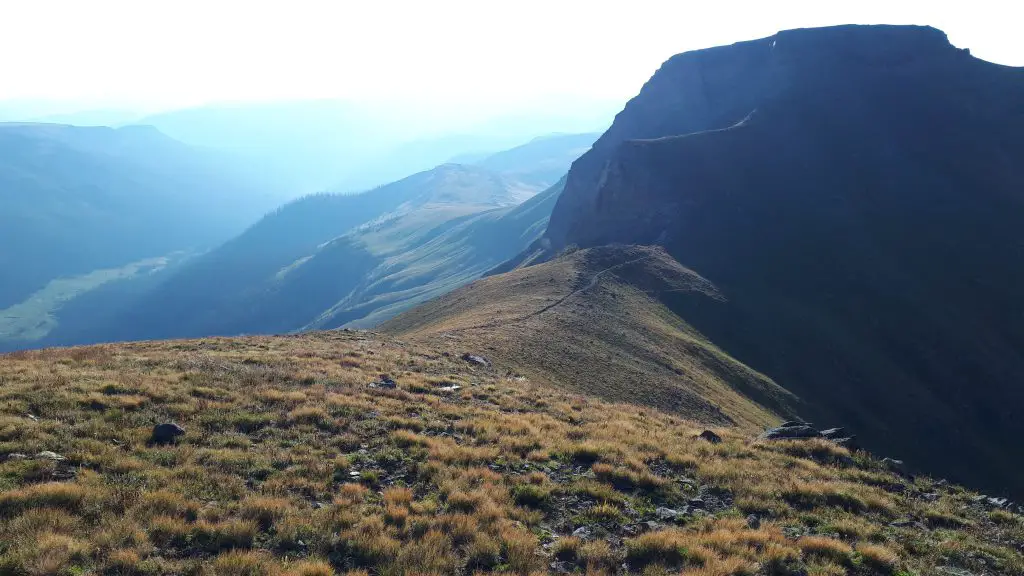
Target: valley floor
{"points": [[292, 463]]}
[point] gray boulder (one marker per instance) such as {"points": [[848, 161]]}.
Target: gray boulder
{"points": [[790, 432], [834, 433], [474, 359], [166, 433], [710, 437]]}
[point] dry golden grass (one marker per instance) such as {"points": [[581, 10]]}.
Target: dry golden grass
{"points": [[601, 312], [292, 465]]}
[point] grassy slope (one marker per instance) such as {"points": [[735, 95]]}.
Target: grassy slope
{"points": [[291, 464], [452, 255], [592, 322]]}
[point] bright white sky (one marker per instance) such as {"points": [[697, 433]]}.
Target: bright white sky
{"points": [[170, 53]]}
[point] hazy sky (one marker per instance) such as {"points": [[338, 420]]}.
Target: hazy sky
{"points": [[154, 54]]}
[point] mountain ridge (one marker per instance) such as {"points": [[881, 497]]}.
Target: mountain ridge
{"points": [[868, 252]]}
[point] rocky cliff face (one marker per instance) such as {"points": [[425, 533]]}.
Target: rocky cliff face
{"points": [[856, 194]]}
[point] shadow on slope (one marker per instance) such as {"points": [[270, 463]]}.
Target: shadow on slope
{"points": [[593, 321], [852, 192]]}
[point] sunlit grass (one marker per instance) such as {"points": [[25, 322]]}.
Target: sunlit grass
{"points": [[291, 465]]}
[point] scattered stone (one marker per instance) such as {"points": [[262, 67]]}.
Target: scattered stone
{"points": [[385, 382], [893, 464], [930, 496], [166, 433], [582, 533], [47, 455], [474, 359], [32, 417], [753, 521], [652, 526], [849, 442], [318, 505], [998, 502], [452, 388], [561, 567], [666, 513], [793, 424], [697, 502], [16, 456], [710, 437], [833, 433], [909, 523], [951, 571], [790, 432], [354, 474]]}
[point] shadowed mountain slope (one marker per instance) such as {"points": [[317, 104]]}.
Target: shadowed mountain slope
{"points": [[594, 321], [853, 194]]}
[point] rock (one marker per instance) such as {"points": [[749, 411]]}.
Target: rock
{"points": [[849, 443], [452, 388], [474, 359], [998, 502], [32, 417], [753, 521], [793, 424], [166, 433], [561, 567], [710, 437], [696, 502], [790, 432], [951, 571], [833, 433], [908, 524], [385, 382], [582, 533], [666, 513], [47, 455], [930, 496], [15, 456], [893, 465]]}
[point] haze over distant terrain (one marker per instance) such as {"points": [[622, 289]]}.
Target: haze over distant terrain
{"points": [[464, 58]]}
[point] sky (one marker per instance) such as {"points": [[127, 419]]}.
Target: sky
{"points": [[157, 54]]}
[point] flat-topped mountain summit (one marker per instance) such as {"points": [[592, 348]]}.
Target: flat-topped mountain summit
{"points": [[854, 194]]}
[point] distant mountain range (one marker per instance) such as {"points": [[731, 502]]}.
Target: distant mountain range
{"points": [[332, 259], [311, 146]]}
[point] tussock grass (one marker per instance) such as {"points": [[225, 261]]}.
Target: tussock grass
{"points": [[291, 465]]}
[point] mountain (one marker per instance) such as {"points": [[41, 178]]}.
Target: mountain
{"points": [[853, 195], [81, 204], [111, 118], [353, 453], [352, 146], [337, 260], [603, 312], [544, 159]]}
